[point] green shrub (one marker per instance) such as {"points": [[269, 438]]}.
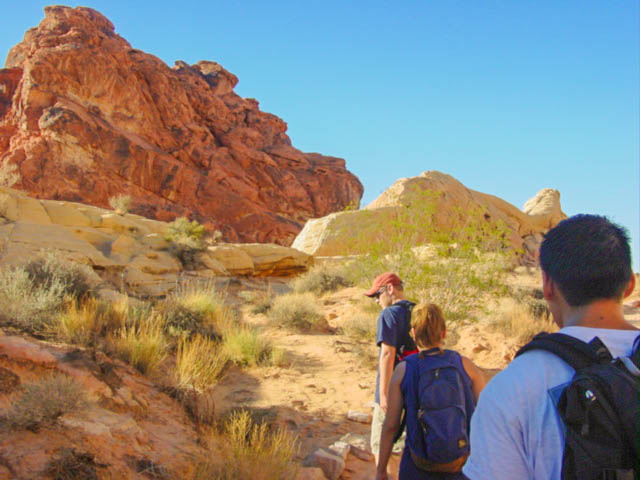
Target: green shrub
{"points": [[43, 401], [252, 451], [321, 279], [245, 346], [186, 240], [298, 311], [120, 203]]}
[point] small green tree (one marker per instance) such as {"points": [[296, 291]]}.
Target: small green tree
{"points": [[120, 203], [186, 239]]}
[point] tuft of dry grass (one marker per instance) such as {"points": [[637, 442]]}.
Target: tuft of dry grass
{"points": [[196, 309], [321, 279], [76, 324], [279, 357], [516, 321], [261, 300], [298, 311], [252, 451], [43, 401], [201, 298], [199, 363], [71, 465], [142, 344], [361, 328]]}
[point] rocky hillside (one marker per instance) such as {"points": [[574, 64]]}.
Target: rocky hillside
{"points": [[86, 116]]}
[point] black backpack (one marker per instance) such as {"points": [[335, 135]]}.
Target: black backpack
{"points": [[408, 345], [600, 408]]}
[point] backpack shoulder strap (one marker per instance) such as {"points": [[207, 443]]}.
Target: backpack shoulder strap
{"points": [[575, 352]]}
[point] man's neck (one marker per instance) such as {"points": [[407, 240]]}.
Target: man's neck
{"points": [[606, 314], [397, 298]]}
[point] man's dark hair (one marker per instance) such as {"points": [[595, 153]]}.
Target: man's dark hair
{"points": [[588, 257]]}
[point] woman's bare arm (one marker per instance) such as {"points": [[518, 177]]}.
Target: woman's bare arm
{"points": [[391, 420], [478, 379]]}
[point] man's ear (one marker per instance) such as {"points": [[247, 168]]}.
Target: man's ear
{"points": [[630, 286], [444, 333], [548, 287]]}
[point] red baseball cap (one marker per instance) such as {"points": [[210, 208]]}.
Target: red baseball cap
{"points": [[382, 280]]}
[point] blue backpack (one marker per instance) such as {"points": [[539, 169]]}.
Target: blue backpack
{"points": [[445, 405]]}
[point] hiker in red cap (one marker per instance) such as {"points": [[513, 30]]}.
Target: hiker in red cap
{"points": [[393, 337]]}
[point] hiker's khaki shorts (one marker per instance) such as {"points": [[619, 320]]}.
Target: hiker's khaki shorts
{"points": [[376, 431]]}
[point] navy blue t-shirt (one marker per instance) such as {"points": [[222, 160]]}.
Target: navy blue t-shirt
{"points": [[393, 328]]}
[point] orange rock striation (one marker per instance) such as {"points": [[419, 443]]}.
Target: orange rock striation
{"points": [[86, 117]]}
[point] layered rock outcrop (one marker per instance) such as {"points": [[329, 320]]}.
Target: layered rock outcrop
{"points": [[445, 205], [128, 250], [85, 117]]}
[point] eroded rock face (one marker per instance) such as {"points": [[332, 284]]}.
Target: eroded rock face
{"points": [[127, 424], [86, 117]]}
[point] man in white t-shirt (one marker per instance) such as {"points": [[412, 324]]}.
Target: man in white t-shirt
{"points": [[516, 433]]}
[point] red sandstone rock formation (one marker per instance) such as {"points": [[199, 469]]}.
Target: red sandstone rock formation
{"points": [[86, 117]]}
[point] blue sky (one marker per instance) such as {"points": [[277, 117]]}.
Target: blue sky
{"points": [[507, 96]]}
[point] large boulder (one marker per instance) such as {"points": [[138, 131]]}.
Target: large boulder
{"points": [[442, 204], [86, 117]]}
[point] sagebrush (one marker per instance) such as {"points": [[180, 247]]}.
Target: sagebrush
{"points": [[321, 279], [33, 293], [43, 401], [26, 304], [298, 311]]}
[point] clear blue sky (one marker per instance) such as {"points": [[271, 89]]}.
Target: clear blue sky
{"points": [[507, 96]]}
